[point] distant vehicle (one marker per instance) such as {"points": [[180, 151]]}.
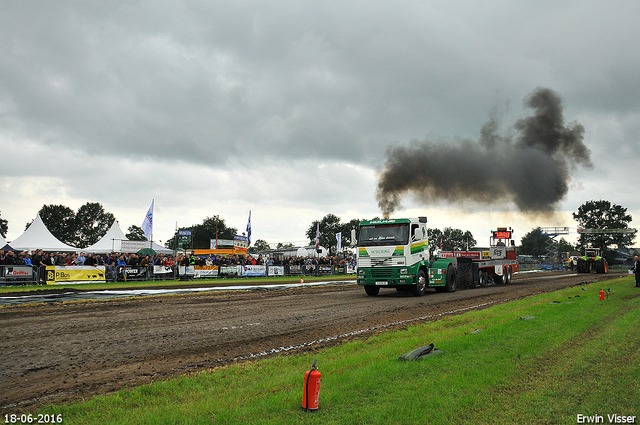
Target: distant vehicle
{"points": [[592, 261]]}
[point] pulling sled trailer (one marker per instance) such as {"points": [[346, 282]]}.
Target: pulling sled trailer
{"points": [[493, 265]]}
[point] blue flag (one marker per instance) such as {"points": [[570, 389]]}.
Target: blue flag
{"points": [[249, 230], [147, 224]]}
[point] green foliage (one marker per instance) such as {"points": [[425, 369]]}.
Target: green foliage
{"points": [[4, 227], [80, 229], [135, 233], [258, 246], [92, 223], [435, 236], [603, 215], [534, 243], [203, 233], [329, 226], [60, 221], [451, 239], [564, 246]]}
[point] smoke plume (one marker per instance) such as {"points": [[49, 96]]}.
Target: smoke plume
{"points": [[531, 168]]}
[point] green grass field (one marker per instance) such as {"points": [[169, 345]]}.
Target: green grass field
{"points": [[574, 355]]}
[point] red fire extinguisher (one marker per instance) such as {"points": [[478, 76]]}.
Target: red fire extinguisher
{"points": [[601, 295], [311, 393]]}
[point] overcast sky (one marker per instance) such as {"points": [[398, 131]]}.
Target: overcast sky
{"points": [[287, 108]]}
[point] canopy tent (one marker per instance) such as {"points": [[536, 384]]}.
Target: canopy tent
{"points": [[8, 247], [37, 236], [110, 242], [113, 242], [159, 249]]}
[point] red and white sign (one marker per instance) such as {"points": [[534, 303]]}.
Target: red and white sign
{"points": [[474, 255]]}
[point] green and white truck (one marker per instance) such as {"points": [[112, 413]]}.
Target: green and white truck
{"points": [[394, 253]]}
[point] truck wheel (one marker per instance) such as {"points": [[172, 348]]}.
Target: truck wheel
{"points": [[371, 290], [581, 266], [451, 279], [482, 279], [507, 274], [420, 288], [601, 266]]}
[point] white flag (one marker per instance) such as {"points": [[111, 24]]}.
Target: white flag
{"points": [[339, 238], [147, 224]]}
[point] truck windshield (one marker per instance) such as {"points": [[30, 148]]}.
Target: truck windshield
{"points": [[384, 234]]}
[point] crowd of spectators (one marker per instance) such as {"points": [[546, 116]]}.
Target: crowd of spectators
{"points": [[38, 258]]}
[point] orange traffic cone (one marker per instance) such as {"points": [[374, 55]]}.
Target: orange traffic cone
{"points": [[301, 280]]}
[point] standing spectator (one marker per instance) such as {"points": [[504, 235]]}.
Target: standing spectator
{"points": [[90, 261], [9, 259], [636, 269], [81, 259]]}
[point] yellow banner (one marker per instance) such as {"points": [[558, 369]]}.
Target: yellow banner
{"points": [[75, 274]]}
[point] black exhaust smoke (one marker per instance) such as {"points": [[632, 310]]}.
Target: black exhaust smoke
{"points": [[531, 169]]}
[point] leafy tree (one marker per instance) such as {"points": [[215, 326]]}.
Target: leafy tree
{"points": [[603, 215], [258, 246], [329, 226], [346, 228], [450, 239], [435, 236], [92, 223], [135, 233], [60, 221], [564, 246], [286, 245], [534, 243], [203, 233], [457, 240], [4, 227]]}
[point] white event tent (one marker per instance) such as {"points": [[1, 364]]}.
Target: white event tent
{"points": [[112, 242], [109, 242], [37, 236]]}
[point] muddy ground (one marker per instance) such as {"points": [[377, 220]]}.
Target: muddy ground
{"points": [[61, 352]]}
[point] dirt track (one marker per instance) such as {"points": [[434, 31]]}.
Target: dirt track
{"points": [[59, 352]]}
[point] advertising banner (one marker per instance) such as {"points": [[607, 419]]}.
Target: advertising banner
{"points": [[474, 255], [133, 246], [133, 272], [254, 270], [76, 274], [295, 269], [241, 242], [18, 271], [205, 271], [325, 269], [275, 271], [162, 270], [231, 270]]}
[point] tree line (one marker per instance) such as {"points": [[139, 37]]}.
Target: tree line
{"points": [[91, 222], [600, 214]]}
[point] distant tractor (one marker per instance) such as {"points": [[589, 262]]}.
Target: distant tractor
{"points": [[592, 262]]}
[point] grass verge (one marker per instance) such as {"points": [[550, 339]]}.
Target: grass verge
{"points": [[572, 355]]}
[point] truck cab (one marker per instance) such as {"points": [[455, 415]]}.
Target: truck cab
{"points": [[394, 253]]}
